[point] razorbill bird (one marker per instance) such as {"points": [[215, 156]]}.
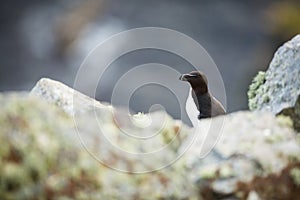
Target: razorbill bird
{"points": [[207, 106]]}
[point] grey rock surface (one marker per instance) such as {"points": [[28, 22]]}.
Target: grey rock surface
{"points": [[278, 89], [250, 145], [101, 152], [70, 100]]}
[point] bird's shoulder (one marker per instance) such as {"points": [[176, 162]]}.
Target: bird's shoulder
{"points": [[217, 107]]}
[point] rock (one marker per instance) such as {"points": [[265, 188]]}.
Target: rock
{"points": [[253, 196], [53, 151], [43, 156], [251, 147], [77, 104], [70, 100], [37, 149], [278, 89]]}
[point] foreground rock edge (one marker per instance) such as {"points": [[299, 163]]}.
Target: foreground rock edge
{"points": [[221, 174]]}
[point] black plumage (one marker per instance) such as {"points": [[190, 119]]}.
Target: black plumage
{"points": [[207, 105]]}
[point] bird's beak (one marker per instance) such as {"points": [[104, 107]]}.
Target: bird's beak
{"points": [[185, 77]]}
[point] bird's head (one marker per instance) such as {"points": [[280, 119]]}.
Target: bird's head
{"points": [[197, 80]]}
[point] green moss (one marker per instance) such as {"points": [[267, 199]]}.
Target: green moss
{"points": [[13, 177], [266, 99], [210, 172], [284, 120], [295, 174], [252, 104], [272, 139], [258, 80], [226, 171]]}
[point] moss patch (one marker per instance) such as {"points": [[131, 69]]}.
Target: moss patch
{"points": [[254, 89]]}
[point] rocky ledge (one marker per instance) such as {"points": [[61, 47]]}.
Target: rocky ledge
{"points": [[57, 143]]}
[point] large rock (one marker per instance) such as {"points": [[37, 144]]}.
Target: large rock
{"points": [[70, 100], [252, 148], [278, 89], [100, 152], [43, 157], [138, 133]]}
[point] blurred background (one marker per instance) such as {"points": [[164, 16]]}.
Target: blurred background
{"points": [[51, 39]]}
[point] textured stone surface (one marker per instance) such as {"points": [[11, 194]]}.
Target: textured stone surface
{"points": [[278, 89], [100, 152], [148, 140], [71, 101], [250, 145], [43, 157]]}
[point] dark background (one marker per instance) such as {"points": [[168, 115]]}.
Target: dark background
{"points": [[51, 39]]}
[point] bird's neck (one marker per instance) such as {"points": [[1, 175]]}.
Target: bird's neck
{"points": [[203, 103], [199, 89]]}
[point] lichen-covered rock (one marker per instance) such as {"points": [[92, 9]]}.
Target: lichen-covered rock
{"points": [[252, 148], [255, 90], [150, 141], [100, 152], [36, 155], [278, 89], [44, 155]]}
